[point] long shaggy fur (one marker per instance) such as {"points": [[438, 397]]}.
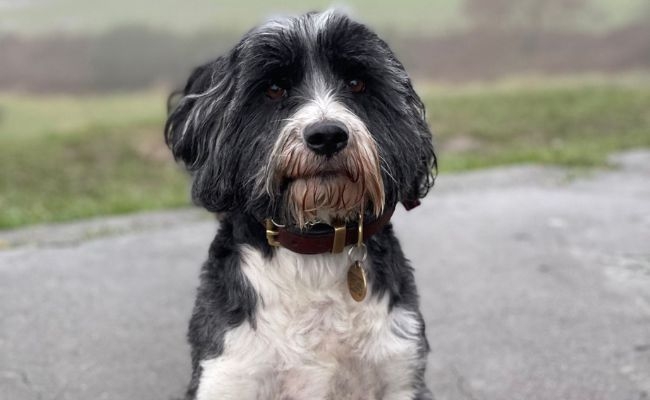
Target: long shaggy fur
{"points": [[269, 323], [224, 129]]}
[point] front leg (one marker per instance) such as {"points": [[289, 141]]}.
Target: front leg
{"points": [[405, 349], [228, 379], [244, 370], [250, 368]]}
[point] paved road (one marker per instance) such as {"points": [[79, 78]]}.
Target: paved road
{"points": [[535, 284]]}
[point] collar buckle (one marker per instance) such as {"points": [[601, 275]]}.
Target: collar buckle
{"points": [[272, 232], [340, 231]]}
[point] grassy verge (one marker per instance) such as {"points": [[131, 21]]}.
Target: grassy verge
{"points": [[574, 125], [65, 158]]}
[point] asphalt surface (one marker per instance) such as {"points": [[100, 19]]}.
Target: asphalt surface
{"points": [[535, 284]]}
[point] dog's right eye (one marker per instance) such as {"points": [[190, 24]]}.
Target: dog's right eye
{"points": [[275, 91], [356, 85]]}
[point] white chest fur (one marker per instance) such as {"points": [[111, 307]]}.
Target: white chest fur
{"points": [[311, 340]]}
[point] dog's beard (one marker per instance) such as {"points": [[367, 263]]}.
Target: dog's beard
{"points": [[319, 189], [336, 196]]}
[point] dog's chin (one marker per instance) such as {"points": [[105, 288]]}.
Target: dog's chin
{"points": [[324, 197]]}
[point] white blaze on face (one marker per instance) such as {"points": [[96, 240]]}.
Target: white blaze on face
{"points": [[320, 186]]}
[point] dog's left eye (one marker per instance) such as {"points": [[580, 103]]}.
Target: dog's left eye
{"points": [[356, 85], [275, 91]]}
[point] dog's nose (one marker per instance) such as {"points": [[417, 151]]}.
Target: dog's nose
{"points": [[326, 138]]}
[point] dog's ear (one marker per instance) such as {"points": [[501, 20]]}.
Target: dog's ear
{"points": [[410, 118], [427, 167], [195, 127], [198, 113]]}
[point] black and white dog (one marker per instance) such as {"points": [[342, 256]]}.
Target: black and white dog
{"points": [[302, 139]]}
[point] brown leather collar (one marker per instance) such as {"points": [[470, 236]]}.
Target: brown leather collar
{"points": [[323, 238]]}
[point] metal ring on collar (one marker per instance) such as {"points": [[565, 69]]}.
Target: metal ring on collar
{"points": [[358, 253]]}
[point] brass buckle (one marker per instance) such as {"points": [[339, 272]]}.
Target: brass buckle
{"points": [[338, 244], [271, 232]]}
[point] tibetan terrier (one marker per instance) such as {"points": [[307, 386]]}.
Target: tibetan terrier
{"points": [[303, 139]]}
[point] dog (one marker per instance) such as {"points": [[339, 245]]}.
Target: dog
{"points": [[302, 140]]}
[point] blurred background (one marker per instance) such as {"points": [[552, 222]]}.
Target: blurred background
{"points": [[533, 280], [83, 87]]}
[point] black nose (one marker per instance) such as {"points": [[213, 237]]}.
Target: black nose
{"points": [[326, 138]]}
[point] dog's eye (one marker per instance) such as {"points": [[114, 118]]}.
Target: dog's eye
{"points": [[274, 91], [356, 85]]}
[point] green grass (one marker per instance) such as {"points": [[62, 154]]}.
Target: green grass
{"points": [[64, 158], [26, 116], [411, 16], [102, 155], [572, 126]]}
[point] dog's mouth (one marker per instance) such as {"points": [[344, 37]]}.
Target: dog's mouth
{"points": [[322, 174], [326, 194]]}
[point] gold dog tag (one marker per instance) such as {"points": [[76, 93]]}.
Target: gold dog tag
{"points": [[357, 281]]}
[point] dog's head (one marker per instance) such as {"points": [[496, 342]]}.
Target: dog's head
{"points": [[305, 119]]}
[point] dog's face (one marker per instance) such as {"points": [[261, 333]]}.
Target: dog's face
{"points": [[306, 119]]}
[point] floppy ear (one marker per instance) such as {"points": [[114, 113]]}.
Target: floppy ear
{"points": [[193, 122], [427, 167], [194, 126], [420, 174]]}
